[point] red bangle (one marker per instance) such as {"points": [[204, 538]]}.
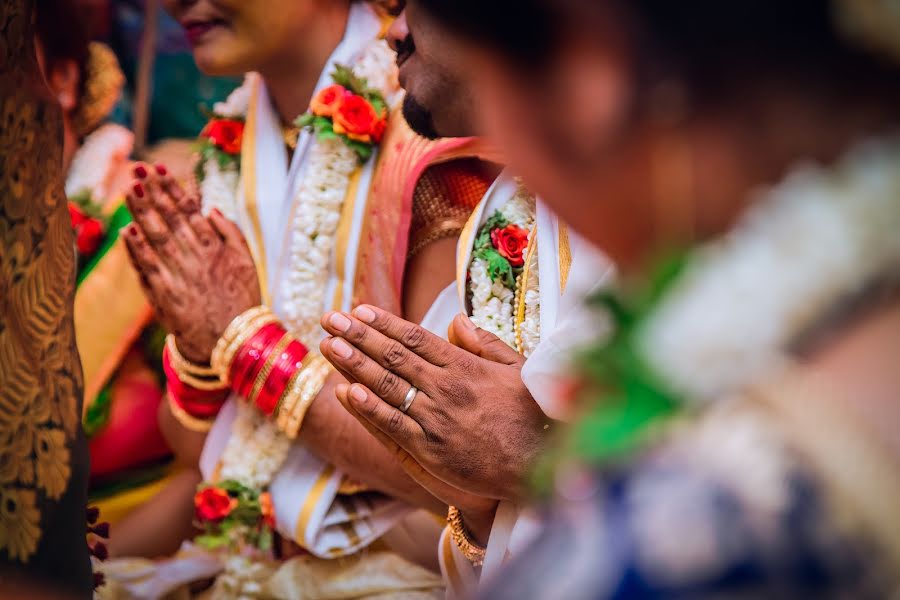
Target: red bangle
{"points": [[197, 403], [290, 360], [202, 408], [252, 356]]}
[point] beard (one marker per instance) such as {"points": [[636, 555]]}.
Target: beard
{"points": [[419, 118]]}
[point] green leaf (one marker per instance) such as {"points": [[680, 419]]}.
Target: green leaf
{"points": [[213, 541], [363, 151], [305, 120], [97, 414]]}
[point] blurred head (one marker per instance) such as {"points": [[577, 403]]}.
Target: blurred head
{"points": [[614, 110], [231, 37], [61, 44], [438, 101]]}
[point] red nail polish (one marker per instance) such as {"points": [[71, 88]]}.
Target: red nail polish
{"points": [[161, 169], [140, 172], [138, 190]]}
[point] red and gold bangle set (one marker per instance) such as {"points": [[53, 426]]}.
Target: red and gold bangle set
{"points": [[257, 359]]}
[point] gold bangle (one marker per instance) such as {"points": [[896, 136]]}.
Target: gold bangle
{"points": [[473, 552], [303, 392], [267, 367], [238, 325], [187, 421], [227, 357], [187, 372], [180, 362], [289, 398]]}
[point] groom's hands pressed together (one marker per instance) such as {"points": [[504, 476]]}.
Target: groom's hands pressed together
{"points": [[473, 424]]}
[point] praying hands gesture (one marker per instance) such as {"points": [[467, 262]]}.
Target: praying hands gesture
{"points": [[469, 421], [197, 271]]}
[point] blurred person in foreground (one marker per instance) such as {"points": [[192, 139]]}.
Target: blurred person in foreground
{"points": [[738, 430], [43, 453]]}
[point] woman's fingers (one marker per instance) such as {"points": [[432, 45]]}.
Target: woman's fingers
{"points": [[154, 275], [228, 231], [390, 354], [188, 207], [359, 367]]}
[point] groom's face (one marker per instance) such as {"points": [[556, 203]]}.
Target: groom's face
{"points": [[438, 99]]}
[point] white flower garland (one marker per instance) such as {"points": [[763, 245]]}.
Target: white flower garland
{"points": [[95, 162], [493, 304], [319, 200], [810, 240]]}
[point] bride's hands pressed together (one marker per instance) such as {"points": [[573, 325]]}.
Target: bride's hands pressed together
{"points": [[197, 271]]}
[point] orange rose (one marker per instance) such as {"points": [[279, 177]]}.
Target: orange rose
{"points": [[267, 509], [213, 505], [356, 118], [227, 134], [326, 101]]}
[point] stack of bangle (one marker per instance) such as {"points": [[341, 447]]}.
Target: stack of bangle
{"points": [[262, 363], [195, 394], [473, 552]]}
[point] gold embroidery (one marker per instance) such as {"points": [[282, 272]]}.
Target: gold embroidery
{"points": [[565, 257], [39, 367]]}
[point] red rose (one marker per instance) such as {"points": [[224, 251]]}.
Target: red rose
{"points": [[378, 130], [511, 242], [227, 134], [213, 504], [325, 102], [88, 236], [76, 214], [356, 118]]}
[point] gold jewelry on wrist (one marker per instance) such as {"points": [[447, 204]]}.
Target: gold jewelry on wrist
{"points": [[473, 552], [197, 376], [302, 389], [187, 421], [241, 329], [267, 367]]}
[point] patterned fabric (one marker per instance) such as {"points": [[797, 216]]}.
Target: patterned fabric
{"points": [[43, 457], [445, 196], [725, 509]]}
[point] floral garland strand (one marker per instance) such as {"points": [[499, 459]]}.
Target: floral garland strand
{"points": [[498, 261]]}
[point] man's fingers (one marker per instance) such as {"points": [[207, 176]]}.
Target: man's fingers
{"points": [[473, 339], [425, 344], [399, 427], [389, 353], [361, 368]]}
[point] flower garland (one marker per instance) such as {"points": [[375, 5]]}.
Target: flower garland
{"points": [[87, 186], [497, 270], [236, 512], [712, 323]]}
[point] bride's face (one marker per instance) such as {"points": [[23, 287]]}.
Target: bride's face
{"points": [[231, 37]]}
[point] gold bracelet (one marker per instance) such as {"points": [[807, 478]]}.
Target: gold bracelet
{"points": [[306, 388], [473, 552], [227, 357], [289, 397], [267, 367], [179, 361], [188, 372], [236, 327], [187, 421]]}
